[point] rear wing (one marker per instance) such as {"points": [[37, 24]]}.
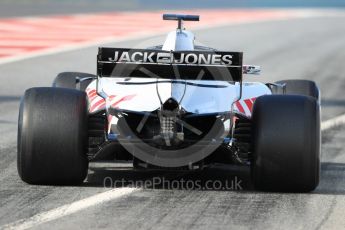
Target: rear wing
{"points": [[186, 65]]}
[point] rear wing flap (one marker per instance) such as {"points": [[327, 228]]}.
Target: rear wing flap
{"points": [[186, 65]]}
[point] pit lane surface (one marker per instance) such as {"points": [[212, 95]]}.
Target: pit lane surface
{"points": [[311, 48]]}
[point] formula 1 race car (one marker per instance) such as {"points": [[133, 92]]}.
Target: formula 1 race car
{"points": [[171, 106]]}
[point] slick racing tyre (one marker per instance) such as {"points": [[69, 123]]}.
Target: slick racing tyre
{"points": [[286, 143], [52, 136], [73, 80], [301, 87]]}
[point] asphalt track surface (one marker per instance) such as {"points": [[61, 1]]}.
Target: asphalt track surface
{"points": [[311, 48]]}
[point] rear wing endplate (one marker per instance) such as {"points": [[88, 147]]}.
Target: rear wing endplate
{"points": [[187, 65]]}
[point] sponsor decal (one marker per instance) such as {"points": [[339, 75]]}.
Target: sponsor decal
{"points": [[172, 58]]}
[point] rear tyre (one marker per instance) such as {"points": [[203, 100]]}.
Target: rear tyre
{"points": [[52, 136], [73, 80], [286, 138], [301, 87]]}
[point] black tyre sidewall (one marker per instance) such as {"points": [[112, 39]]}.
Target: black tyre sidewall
{"points": [[286, 142], [52, 136]]}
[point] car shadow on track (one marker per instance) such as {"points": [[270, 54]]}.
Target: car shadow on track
{"points": [[332, 103], [217, 178], [8, 98], [332, 179]]}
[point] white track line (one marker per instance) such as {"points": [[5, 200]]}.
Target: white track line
{"points": [[336, 121], [69, 209], [103, 197]]}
